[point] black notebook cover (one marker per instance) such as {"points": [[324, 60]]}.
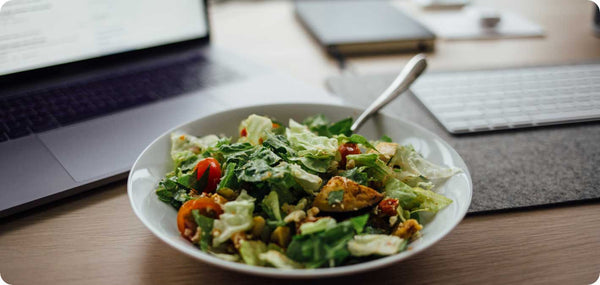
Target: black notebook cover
{"points": [[349, 27]]}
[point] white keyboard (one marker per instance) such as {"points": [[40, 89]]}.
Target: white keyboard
{"points": [[485, 100]]}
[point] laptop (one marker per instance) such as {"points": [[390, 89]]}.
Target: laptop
{"points": [[86, 85]]}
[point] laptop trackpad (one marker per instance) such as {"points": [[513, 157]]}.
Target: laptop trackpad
{"points": [[109, 145], [29, 172]]}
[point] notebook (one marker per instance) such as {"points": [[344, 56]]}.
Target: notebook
{"points": [[362, 27]]}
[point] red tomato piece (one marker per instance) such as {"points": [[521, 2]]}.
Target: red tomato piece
{"points": [[205, 205], [389, 206], [346, 149], [214, 175]]}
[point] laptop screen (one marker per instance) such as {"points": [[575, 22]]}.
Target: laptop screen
{"points": [[41, 33]]}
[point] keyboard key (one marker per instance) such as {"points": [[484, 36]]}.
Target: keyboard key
{"points": [[498, 123], [479, 125], [511, 110], [461, 114], [458, 127], [447, 107], [520, 121], [529, 108]]}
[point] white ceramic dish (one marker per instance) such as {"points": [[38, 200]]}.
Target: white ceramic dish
{"points": [[160, 218]]}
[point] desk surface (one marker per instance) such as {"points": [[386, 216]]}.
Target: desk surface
{"points": [[95, 237]]}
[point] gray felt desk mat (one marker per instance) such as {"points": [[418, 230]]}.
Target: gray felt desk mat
{"points": [[510, 169]]}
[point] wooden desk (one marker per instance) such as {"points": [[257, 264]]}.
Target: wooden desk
{"points": [[95, 237]]}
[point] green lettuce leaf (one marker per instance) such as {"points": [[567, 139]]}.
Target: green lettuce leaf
{"points": [[356, 174], [415, 199], [186, 149], [251, 250], [416, 169], [236, 217], [270, 205], [317, 124], [357, 139], [315, 152], [317, 226], [359, 222], [376, 169], [310, 183], [320, 125], [278, 260], [255, 126], [229, 179], [171, 192], [370, 244], [279, 145], [259, 166], [326, 247], [206, 226]]}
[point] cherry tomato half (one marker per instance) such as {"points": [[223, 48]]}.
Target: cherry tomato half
{"points": [[206, 206], [346, 149], [214, 175]]}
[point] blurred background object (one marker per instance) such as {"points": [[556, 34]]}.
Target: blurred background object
{"points": [[597, 20], [354, 27]]}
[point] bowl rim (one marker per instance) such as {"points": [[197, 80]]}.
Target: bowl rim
{"points": [[296, 273]]}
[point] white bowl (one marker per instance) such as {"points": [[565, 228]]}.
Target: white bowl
{"points": [[160, 218]]}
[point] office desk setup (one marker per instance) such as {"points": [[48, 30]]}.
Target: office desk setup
{"points": [[94, 237]]}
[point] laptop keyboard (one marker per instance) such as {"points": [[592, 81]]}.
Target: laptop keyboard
{"points": [[43, 110], [475, 101]]}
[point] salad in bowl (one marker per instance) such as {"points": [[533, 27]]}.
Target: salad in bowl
{"points": [[300, 195]]}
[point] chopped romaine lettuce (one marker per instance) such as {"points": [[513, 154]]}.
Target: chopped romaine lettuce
{"points": [[185, 148], [360, 222], [229, 179], [317, 124], [270, 204], [320, 125], [278, 260], [250, 252], [318, 226], [324, 247], [415, 199], [365, 245], [279, 145], [236, 217], [357, 139], [171, 192], [317, 153], [309, 182], [417, 169], [356, 174], [254, 128], [309, 144], [376, 168], [206, 225]]}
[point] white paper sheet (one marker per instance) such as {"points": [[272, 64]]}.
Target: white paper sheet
{"points": [[464, 24]]}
